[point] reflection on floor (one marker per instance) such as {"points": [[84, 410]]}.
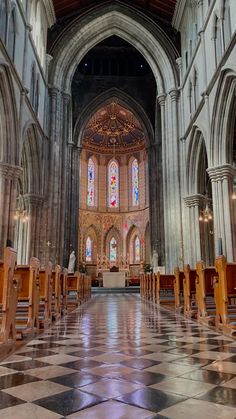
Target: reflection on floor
{"points": [[121, 358]]}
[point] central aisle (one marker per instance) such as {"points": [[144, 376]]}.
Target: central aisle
{"points": [[119, 357]]}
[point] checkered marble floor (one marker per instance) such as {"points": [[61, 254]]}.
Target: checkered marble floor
{"points": [[122, 358]]}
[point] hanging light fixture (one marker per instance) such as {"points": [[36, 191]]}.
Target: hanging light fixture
{"points": [[21, 215], [234, 189], [206, 214], [20, 212]]}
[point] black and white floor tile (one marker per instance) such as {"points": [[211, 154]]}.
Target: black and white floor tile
{"points": [[122, 358]]}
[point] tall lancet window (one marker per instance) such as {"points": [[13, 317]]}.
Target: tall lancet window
{"points": [[113, 184], [137, 249], [113, 249], [91, 188], [88, 250], [135, 183]]}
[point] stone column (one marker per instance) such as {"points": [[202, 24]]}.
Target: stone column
{"points": [[72, 210], [33, 206], [9, 176], [173, 183], [222, 189], [192, 242], [67, 243], [161, 168]]}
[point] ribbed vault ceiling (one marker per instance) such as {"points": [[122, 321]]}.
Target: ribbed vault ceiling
{"points": [[161, 8]]}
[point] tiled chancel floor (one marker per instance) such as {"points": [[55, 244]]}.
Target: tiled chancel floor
{"points": [[119, 357]]}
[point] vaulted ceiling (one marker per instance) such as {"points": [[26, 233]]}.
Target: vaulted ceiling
{"points": [[163, 9]]}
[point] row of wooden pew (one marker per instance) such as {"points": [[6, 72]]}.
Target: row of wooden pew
{"points": [[207, 294], [32, 297]]}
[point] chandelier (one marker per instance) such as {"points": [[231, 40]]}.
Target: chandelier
{"points": [[20, 212], [21, 215], [206, 214], [234, 189]]}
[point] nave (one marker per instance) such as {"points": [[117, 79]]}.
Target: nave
{"points": [[119, 357]]}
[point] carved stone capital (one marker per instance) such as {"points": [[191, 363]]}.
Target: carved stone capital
{"points": [[174, 94], [220, 173], [8, 171], [66, 98], [53, 91], [161, 99], [195, 200]]}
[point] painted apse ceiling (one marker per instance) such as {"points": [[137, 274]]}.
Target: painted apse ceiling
{"points": [[113, 128], [162, 8]]}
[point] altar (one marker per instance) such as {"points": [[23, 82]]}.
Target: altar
{"points": [[114, 279]]}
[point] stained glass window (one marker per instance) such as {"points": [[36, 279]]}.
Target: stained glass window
{"points": [[135, 183], [88, 249], [113, 249], [113, 185], [137, 249], [90, 192]]}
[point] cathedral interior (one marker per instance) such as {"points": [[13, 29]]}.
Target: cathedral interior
{"points": [[117, 209]]}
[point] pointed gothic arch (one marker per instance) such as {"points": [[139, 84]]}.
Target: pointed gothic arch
{"points": [[122, 98], [9, 132], [111, 20]]}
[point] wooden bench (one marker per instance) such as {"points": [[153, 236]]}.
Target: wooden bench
{"points": [[225, 295], [74, 289], [179, 290], [57, 292], [142, 284], [8, 301], [27, 312], [189, 284], [205, 293], [165, 289], [45, 301]]}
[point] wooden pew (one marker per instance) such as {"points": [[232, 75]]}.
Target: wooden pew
{"points": [[74, 290], [154, 287], [190, 307], [165, 290], [27, 312], [64, 292], [142, 279], [57, 292], [179, 290], [225, 295], [205, 293], [45, 301], [8, 301]]}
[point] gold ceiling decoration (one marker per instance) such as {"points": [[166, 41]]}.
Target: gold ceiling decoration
{"points": [[113, 125]]}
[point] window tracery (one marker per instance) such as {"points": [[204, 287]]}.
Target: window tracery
{"points": [[88, 250], [113, 250], [135, 183], [113, 184], [91, 183]]}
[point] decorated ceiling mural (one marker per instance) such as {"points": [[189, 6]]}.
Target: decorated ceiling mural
{"points": [[113, 129]]}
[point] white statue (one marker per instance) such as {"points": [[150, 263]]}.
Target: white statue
{"points": [[71, 266], [155, 261]]}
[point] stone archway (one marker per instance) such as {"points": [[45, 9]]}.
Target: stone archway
{"points": [[10, 170], [222, 170], [151, 41], [198, 235], [28, 225]]}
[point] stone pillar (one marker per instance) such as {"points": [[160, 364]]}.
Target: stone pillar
{"points": [[173, 182], [192, 242], [161, 168], [33, 206], [72, 209], [224, 228], [9, 176]]}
